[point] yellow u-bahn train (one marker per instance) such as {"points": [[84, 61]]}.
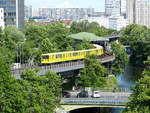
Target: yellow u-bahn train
{"points": [[69, 55]]}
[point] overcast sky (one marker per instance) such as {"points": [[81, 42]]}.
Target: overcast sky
{"points": [[97, 4]]}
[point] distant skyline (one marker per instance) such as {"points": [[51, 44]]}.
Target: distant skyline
{"points": [[99, 5]]}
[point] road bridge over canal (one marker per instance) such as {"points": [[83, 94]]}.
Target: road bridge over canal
{"points": [[107, 99]]}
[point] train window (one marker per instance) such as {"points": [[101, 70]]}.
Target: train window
{"points": [[59, 56], [70, 54], [88, 52], [83, 53], [75, 54], [45, 57]]}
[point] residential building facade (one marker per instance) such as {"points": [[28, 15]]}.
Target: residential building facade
{"points": [[117, 23], [28, 11], [123, 7], [2, 24], [138, 12], [57, 14], [13, 12], [113, 7], [102, 21]]}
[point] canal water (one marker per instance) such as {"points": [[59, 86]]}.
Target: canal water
{"points": [[130, 76], [125, 80]]}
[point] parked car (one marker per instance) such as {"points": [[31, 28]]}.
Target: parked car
{"points": [[96, 94], [83, 94], [66, 94]]}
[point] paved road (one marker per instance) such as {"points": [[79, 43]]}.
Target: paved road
{"points": [[105, 94], [106, 98]]}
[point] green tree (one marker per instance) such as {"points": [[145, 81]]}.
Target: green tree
{"points": [[48, 47], [42, 92], [140, 98], [11, 93], [35, 33], [92, 27], [31, 20], [26, 52], [77, 27], [84, 45], [10, 37], [147, 67], [93, 75], [102, 31], [121, 60], [58, 33], [11, 32], [138, 37]]}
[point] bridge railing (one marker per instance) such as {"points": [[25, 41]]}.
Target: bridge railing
{"points": [[60, 65], [105, 101], [117, 89]]}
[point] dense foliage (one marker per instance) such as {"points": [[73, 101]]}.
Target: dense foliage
{"points": [[94, 74], [41, 94], [118, 66], [93, 27], [140, 98], [138, 37], [32, 93]]}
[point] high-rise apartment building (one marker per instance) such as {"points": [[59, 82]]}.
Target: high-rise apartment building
{"points": [[117, 23], [13, 12], [138, 12], [113, 7], [142, 15], [28, 11], [131, 11], [123, 7], [73, 14]]}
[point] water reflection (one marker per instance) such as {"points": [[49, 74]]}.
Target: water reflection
{"points": [[131, 75], [98, 110]]}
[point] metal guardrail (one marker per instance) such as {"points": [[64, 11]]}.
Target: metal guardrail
{"points": [[94, 101], [60, 65], [114, 90]]}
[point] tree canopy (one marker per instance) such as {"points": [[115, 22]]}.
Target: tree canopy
{"points": [[118, 66], [31, 93], [93, 74], [92, 27], [138, 37]]}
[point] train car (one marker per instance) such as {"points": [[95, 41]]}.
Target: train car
{"points": [[69, 55]]}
